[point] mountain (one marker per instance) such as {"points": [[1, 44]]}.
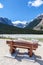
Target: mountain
{"points": [[40, 25], [5, 21], [9, 29], [34, 27], [20, 24], [36, 24], [6, 26]]}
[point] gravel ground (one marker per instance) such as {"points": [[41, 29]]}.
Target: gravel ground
{"points": [[36, 59]]}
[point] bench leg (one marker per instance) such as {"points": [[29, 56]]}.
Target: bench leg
{"points": [[12, 50], [30, 52]]}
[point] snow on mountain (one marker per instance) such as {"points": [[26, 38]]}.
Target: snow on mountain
{"points": [[20, 24]]}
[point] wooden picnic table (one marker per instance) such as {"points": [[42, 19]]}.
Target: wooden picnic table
{"points": [[22, 44]]}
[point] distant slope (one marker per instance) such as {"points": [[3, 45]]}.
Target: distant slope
{"points": [[39, 26], [5, 21], [36, 24], [8, 29]]}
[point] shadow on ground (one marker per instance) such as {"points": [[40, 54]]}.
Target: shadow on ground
{"points": [[24, 56]]}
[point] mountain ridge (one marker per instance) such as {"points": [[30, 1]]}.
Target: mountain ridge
{"points": [[36, 23], [34, 27], [5, 21]]}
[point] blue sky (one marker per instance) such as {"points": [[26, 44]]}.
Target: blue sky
{"points": [[21, 10]]}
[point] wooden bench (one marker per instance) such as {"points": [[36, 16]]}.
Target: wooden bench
{"points": [[22, 44]]}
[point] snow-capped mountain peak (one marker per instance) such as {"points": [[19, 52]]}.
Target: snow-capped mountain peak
{"points": [[20, 24]]}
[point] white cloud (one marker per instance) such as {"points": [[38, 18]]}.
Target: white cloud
{"points": [[35, 3], [1, 5]]}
